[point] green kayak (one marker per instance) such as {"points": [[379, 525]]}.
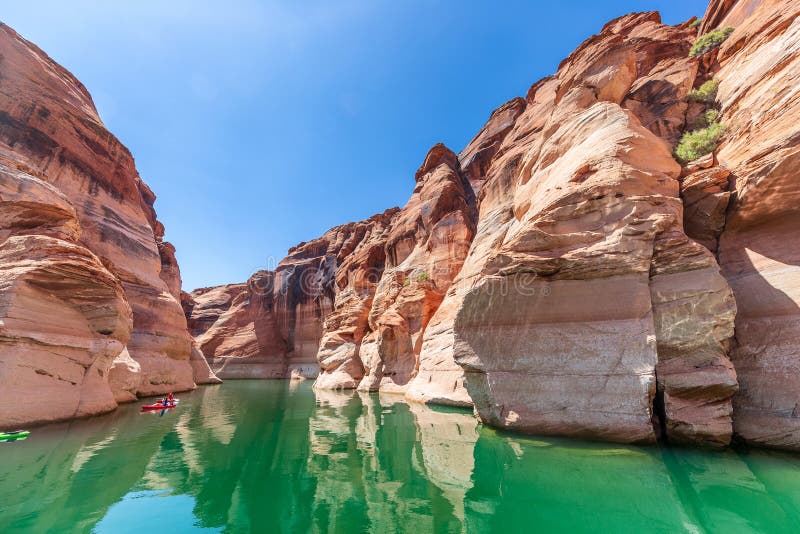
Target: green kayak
{"points": [[16, 435]]}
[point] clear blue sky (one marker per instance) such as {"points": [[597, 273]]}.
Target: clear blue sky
{"points": [[263, 124]]}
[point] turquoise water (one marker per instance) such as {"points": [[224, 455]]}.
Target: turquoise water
{"points": [[268, 456]]}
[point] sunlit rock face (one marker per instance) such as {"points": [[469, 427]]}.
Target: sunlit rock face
{"points": [[325, 289], [309, 313], [89, 315], [587, 304], [563, 273], [425, 249], [352, 307]]}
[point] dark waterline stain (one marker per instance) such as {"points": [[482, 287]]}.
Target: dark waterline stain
{"points": [[266, 456]]}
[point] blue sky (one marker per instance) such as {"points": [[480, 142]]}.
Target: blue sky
{"points": [[263, 124]]}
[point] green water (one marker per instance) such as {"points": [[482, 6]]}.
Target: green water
{"points": [[267, 456]]}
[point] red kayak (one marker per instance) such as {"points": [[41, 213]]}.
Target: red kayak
{"points": [[159, 406]]}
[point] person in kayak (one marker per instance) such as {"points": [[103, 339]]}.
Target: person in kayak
{"points": [[170, 399]]}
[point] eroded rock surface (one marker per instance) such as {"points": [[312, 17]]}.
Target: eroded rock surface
{"points": [[564, 273], [426, 247], [236, 330], [759, 249], [310, 312], [88, 309], [575, 318]]}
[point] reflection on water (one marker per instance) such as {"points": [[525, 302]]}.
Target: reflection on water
{"points": [[263, 456]]}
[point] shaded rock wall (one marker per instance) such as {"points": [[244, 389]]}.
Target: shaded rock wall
{"points": [[236, 328], [316, 300], [759, 250]]}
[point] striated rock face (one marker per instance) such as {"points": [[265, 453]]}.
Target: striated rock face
{"points": [[759, 249], [88, 309], [46, 274], [426, 246], [316, 300], [334, 273], [236, 328], [706, 193], [563, 273], [585, 309], [357, 269], [353, 305]]}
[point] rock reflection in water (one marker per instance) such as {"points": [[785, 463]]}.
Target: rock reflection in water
{"points": [[269, 456], [380, 461]]}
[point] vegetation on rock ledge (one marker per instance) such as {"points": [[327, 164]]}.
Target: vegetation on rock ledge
{"points": [[711, 40], [698, 143], [706, 93], [705, 120]]}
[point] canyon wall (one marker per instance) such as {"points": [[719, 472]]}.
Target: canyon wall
{"points": [[89, 315], [351, 307], [592, 307], [564, 274], [759, 249]]}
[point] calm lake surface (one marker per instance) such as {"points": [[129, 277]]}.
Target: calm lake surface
{"points": [[266, 456]]}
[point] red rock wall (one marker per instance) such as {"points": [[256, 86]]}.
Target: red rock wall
{"points": [[425, 249], [236, 328], [89, 314], [759, 250], [319, 295], [591, 306], [565, 274]]}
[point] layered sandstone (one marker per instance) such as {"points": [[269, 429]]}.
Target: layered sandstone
{"points": [[425, 249], [564, 273], [316, 300], [353, 305], [584, 306], [89, 315], [236, 329], [759, 72]]}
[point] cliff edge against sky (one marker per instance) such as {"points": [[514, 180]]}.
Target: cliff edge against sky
{"points": [[89, 315]]}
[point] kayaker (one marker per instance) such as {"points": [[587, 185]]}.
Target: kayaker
{"points": [[170, 398]]}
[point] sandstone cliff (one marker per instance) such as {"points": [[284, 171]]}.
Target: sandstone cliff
{"points": [[564, 273], [354, 304], [272, 326], [88, 309], [759, 72]]}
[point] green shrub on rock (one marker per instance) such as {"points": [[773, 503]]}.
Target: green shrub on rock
{"points": [[706, 93], [709, 41], [706, 119], [696, 23], [698, 143]]}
